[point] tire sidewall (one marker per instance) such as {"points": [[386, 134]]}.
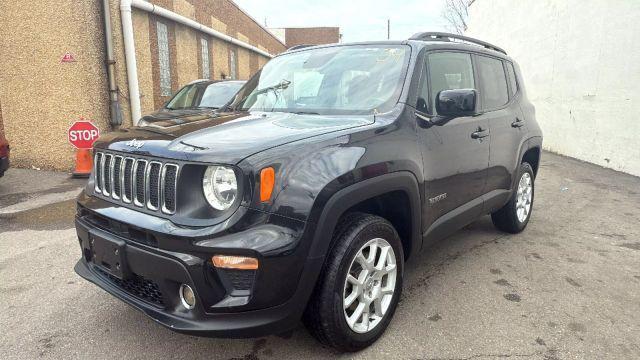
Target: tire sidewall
{"points": [[378, 229]]}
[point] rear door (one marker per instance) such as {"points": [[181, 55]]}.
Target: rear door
{"points": [[455, 160], [499, 92]]}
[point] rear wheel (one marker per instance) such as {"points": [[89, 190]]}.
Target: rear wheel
{"points": [[515, 215], [358, 290]]}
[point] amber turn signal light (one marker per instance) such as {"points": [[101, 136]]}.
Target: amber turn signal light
{"points": [[267, 180], [235, 262]]}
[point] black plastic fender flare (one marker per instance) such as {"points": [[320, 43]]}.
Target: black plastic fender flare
{"points": [[346, 198]]}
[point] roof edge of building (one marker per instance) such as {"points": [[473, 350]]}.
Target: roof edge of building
{"points": [[257, 23]]}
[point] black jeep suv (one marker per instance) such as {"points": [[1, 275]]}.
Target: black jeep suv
{"points": [[304, 197]]}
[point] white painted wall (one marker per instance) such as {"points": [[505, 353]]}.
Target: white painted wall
{"points": [[580, 60]]}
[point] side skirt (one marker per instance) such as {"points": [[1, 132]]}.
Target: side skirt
{"points": [[463, 215]]}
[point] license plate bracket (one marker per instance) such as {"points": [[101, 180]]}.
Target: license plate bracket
{"points": [[110, 256]]}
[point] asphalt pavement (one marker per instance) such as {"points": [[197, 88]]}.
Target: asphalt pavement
{"points": [[568, 287]]}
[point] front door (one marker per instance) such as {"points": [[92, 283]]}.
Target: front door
{"points": [[455, 152]]}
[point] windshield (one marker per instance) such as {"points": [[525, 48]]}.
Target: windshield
{"points": [[355, 79], [204, 95]]}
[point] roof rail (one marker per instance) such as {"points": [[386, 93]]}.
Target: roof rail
{"points": [[297, 47], [440, 36]]}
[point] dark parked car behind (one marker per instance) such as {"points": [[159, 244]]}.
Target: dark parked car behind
{"points": [[4, 154], [194, 102]]}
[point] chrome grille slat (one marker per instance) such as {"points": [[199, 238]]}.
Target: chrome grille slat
{"points": [[116, 177], [106, 180], [143, 182], [168, 185], [139, 191], [152, 185], [97, 172], [106, 174], [127, 180]]}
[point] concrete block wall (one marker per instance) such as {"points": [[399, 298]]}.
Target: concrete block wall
{"points": [[581, 65], [41, 96]]}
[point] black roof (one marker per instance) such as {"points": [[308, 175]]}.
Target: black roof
{"points": [[431, 39]]}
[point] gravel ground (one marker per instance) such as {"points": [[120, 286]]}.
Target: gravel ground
{"points": [[568, 287]]}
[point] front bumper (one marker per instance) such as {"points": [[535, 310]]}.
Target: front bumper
{"points": [[273, 303]]}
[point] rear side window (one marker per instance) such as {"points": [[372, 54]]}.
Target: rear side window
{"points": [[447, 71], [512, 79], [493, 82]]}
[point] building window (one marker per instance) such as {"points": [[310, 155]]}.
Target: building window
{"points": [[204, 48], [163, 59], [233, 71]]}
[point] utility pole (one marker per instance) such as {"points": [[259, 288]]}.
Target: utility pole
{"points": [[388, 29]]}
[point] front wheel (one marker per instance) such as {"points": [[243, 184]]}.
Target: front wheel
{"points": [[514, 216], [358, 290]]}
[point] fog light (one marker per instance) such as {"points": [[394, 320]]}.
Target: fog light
{"points": [[187, 297]]}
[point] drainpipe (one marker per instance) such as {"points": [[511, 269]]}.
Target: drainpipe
{"points": [[114, 105], [130, 57]]}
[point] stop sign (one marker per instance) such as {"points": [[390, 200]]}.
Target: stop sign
{"points": [[82, 134]]}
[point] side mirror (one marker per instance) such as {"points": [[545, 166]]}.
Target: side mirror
{"points": [[454, 103]]}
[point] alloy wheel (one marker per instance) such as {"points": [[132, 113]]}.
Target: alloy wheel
{"points": [[370, 285], [524, 196]]}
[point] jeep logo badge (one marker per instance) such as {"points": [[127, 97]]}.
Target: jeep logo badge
{"points": [[135, 143]]}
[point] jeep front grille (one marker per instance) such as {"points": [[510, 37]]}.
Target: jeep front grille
{"points": [[145, 183]]}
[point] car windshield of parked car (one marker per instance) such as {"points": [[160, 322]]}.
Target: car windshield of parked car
{"points": [[204, 95], [354, 79]]}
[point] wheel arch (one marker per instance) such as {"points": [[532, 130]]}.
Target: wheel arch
{"points": [[401, 183], [532, 156], [531, 149]]}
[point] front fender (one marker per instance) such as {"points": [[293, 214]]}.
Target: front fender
{"points": [[325, 214]]}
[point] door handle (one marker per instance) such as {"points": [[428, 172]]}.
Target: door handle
{"points": [[518, 123], [479, 134]]}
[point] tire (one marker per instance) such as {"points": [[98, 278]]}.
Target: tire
{"points": [[507, 218], [325, 316]]}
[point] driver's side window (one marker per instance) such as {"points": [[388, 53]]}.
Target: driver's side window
{"points": [[447, 71]]}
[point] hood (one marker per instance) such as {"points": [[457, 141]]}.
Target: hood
{"points": [[166, 117], [226, 138]]}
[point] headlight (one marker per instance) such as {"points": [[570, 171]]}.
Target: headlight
{"points": [[220, 187]]}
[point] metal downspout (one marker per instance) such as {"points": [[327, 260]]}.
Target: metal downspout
{"points": [[130, 58], [115, 118]]}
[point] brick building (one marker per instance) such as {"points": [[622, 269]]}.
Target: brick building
{"points": [[307, 35], [53, 63]]}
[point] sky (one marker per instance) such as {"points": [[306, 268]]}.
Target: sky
{"points": [[358, 20]]}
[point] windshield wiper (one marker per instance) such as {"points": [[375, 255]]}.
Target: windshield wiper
{"points": [[305, 113], [283, 84]]}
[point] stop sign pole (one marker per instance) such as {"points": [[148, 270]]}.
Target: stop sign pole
{"points": [[82, 134]]}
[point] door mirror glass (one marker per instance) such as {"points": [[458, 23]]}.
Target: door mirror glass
{"points": [[459, 102]]}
